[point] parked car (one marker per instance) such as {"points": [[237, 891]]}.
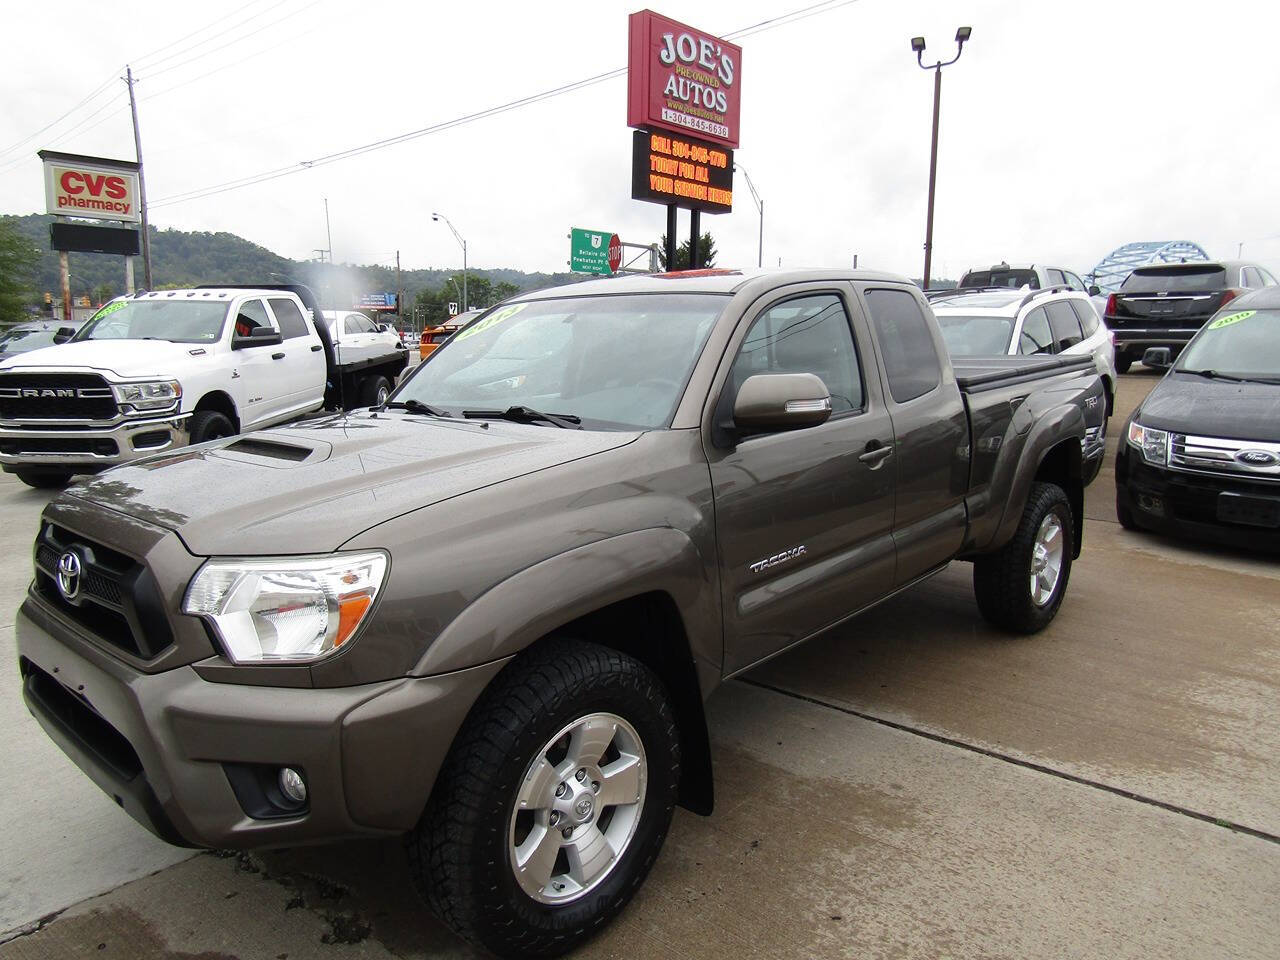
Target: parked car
{"points": [[154, 371], [1202, 451], [1036, 276], [358, 338], [1039, 322], [488, 614], [433, 337], [24, 337], [1165, 304]]}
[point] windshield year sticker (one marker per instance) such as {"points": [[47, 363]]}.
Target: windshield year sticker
{"points": [[110, 308], [506, 313], [1232, 318]]}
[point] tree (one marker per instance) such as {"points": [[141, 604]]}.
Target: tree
{"points": [[18, 258], [706, 253]]}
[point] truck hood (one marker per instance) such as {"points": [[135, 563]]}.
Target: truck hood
{"points": [[308, 488], [123, 359], [1184, 403]]}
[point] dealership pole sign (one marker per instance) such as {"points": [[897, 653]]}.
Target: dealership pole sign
{"points": [[683, 79]]}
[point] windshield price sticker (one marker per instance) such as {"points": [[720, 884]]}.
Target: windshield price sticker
{"points": [[506, 313], [1232, 318], [110, 308]]}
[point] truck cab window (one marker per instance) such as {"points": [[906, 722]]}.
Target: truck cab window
{"points": [[910, 357], [289, 317], [251, 316], [806, 335]]}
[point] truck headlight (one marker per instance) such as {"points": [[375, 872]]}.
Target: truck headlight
{"points": [[1154, 444], [151, 395], [286, 609]]}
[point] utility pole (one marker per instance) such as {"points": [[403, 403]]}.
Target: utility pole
{"points": [[399, 292], [142, 182], [328, 234]]}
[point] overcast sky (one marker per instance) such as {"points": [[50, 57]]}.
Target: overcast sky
{"points": [[1068, 128]]}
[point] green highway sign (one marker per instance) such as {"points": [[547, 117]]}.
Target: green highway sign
{"points": [[594, 251]]}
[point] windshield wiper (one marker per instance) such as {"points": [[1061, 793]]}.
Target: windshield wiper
{"points": [[1214, 375], [412, 406], [526, 415]]}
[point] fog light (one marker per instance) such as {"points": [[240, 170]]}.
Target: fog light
{"points": [[292, 785]]}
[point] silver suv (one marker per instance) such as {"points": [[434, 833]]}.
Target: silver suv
{"points": [[1026, 322], [1035, 276]]}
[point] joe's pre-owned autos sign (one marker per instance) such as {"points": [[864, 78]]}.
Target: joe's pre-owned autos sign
{"points": [[91, 187], [682, 79]]}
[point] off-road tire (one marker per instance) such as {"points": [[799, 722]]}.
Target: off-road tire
{"points": [[459, 852], [209, 425], [1001, 580], [374, 391], [1123, 362], [43, 479]]}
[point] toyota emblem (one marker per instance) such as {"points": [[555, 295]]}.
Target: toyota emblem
{"points": [[69, 575]]}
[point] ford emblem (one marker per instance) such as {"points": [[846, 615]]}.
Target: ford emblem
{"points": [[1258, 458]]}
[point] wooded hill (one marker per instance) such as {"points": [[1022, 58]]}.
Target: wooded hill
{"points": [[180, 258]]}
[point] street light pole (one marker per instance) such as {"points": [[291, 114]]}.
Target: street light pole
{"points": [[759, 206], [917, 44], [457, 236]]}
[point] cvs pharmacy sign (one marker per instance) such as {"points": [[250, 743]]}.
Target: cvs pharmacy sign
{"points": [[92, 187]]}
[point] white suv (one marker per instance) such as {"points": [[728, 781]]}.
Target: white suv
{"points": [[1027, 322], [1035, 276]]}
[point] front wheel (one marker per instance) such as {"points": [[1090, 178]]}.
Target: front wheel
{"points": [[44, 479], [1021, 586], [208, 425], [1123, 362], [374, 391], [553, 803]]}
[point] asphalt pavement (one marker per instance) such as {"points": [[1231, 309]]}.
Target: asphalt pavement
{"points": [[913, 784]]}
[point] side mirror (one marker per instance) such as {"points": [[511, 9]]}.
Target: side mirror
{"points": [[63, 334], [1095, 290], [770, 402], [383, 328], [1158, 357], [258, 337]]}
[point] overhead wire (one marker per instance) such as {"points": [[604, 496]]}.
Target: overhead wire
{"points": [[253, 179], [97, 91], [152, 73]]}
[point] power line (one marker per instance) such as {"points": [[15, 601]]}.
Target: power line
{"points": [[97, 91], [168, 46], [153, 73], [303, 165]]}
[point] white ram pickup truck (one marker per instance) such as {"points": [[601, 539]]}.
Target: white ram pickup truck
{"points": [[159, 370]]}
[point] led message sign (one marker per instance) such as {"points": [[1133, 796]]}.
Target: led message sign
{"points": [[676, 170]]}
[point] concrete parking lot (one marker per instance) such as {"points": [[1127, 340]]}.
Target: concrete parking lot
{"points": [[913, 784]]}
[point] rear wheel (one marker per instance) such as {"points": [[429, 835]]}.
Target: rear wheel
{"points": [[374, 391], [553, 803], [1021, 586], [208, 425], [44, 479], [1123, 362], [1123, 513]]}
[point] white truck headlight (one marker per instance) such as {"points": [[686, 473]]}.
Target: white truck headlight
{"points": [[1154, 444], [151, 395], [286, 609]]}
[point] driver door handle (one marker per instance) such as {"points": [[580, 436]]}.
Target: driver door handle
{"points": [[876, 452], [277, 356]]}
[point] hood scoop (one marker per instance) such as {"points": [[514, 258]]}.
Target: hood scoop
{"points": [[270, 449]]}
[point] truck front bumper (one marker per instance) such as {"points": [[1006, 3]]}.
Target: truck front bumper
{"points": [[88, 449], [197, 762]]}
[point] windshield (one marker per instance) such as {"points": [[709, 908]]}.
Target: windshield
{"points": [[179, 321], [20, 341], [1001, 278], [1244, 343], [618, 362], [975, 336], [1169, 280]]}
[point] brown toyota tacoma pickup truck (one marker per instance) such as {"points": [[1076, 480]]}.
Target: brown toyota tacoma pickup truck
{"points": [[486, 614]]}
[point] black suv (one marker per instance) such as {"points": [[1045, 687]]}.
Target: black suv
{"points": [[1165, 304]]}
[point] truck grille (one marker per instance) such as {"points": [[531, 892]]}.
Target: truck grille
{"points": [[56, 396], [114, 597], [1227, 457]]}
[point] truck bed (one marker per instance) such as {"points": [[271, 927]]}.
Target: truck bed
{"points": [[979, 374]]}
